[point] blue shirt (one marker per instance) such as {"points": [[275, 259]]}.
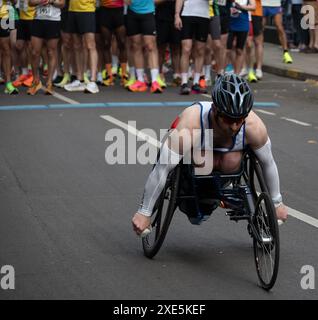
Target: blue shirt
{"points": [[142, 6], [240, 23]]}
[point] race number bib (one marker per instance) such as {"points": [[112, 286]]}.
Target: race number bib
{"points": [[221, 2], [44, 11]]}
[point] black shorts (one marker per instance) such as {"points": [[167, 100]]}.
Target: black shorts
{"points": [[111, 18], [46, 29], [64, 19], [215, 28], [257, 22], [144, 24], [225, 19], [196, 28], [167, 33], [24, 29], [4, 33], [240, 36], [81, 22]]}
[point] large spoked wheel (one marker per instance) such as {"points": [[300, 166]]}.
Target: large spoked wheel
{"points": [[263, 224], [265, 241], [163, 213]]}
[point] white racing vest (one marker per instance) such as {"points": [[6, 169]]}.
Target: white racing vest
{"points": [[238, 143]]}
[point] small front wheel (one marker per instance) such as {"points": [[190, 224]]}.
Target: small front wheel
{"points": [[162, 216], [265, 233]]}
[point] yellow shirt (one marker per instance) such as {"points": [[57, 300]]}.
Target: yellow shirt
{"points": [[4, 10], [211, 11], [26, 12], [82, 5]]}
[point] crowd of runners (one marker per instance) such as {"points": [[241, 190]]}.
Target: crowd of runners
{"points": [[80, 45]]}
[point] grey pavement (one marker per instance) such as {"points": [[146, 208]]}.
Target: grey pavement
{"points": [[304, 66]]}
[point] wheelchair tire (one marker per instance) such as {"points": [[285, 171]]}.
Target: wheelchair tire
{"points": [[162, 216], [265, 241]]}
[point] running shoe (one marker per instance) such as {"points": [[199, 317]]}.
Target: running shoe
{"points": [[75, 86], [202, 84], [10, 89], [196, 89], [251, 77], [49, 89], [57, 79], [176, 82], [287, 57], [109, 81], [130, 81], [91, 87], [124, 80], [243, 73], [185, 90], [155, 87], [161, 82], [114, 71], [36, 86], [259, 74], [86, 78], [65, 80], [19, 82], [28, 82], [138, 86]]}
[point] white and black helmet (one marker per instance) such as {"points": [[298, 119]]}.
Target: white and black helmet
{"points": [[232, 96]]}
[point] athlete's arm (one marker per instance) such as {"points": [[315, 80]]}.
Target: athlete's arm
{"points": [[173, 149], [177, 18], [257, 138]]}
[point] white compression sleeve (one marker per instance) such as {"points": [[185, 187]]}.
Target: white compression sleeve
{"points": [[265, 156], [167, 161]]}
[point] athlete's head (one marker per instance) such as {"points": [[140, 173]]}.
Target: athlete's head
{"points": [[232, 96]]}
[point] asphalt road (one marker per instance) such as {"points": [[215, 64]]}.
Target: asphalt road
{"points": [[66, 213]]}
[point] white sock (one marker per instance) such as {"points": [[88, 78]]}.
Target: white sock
{"points": [[140, 75], [196, 78], [132, 72], [114, 61], [154, 74], [207, 72], [25, 71], [184, 78], [176, 75]]}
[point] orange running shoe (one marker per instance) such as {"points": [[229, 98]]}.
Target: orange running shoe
{"points": [[155, 88], [138, 86], [28, 82], [49, 89], [109, 81], [202, 84], [34, 88], [19, 82]]}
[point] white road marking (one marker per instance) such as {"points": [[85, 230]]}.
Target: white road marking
{"points": [[133, 130], [265, 112], [292, 212], [303, 217], [65, 99], [296, 121]]}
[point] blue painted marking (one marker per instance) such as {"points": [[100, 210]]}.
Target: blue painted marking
{"points": [[120, 105]]}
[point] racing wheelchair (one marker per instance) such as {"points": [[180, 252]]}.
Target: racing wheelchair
{"points": [[244, 195]]}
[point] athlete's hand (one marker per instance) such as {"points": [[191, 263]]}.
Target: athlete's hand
{"points": [[177, 22], [140, 223], [282, 213]]}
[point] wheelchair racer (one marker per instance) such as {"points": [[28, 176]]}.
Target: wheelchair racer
{"points": [[234, 126]]}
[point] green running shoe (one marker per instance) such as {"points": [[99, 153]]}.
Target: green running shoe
{"points": [[10, 89]]}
